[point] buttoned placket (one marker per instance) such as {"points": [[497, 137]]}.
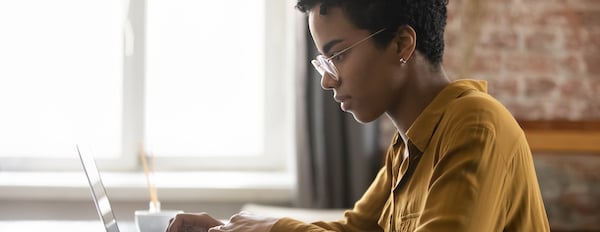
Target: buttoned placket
{"points": [[407, 167]]}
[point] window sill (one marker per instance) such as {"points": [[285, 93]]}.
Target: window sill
{"points": [[171, 186]]}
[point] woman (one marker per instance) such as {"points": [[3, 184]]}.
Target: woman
{"points": [[459, 161]]}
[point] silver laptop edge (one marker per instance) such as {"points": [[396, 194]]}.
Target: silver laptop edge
{"points": [[98, 191]]}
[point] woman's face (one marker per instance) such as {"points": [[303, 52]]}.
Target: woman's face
{"points": [[366, 86]]}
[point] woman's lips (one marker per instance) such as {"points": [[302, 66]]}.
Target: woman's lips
{"points": [[344, 102]]}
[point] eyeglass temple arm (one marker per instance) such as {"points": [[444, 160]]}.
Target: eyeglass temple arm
{"points": [[355, 44]]}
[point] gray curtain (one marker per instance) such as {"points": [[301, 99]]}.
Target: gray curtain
{"points": [[341, 156]]}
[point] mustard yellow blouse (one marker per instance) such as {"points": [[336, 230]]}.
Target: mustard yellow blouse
{"points": [[469, 168]]}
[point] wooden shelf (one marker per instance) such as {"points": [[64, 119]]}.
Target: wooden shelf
{"points": [[563, 136]]}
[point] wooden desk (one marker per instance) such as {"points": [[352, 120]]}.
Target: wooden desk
{"points": [[61, 226]]}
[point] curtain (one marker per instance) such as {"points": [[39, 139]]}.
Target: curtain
{"points": [[337, 157]]}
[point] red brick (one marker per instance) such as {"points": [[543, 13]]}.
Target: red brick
{"points": [[540, 86], [592, 110], [574, 89], [486, 62], [541, 41], [584, 4], [590, 18], [530, 63], [557, 17], [498, 14], [541, 14], [592, 63], [562, 109], [572, 65], [592, 41], [451, 39], [561, 55], [527, 110], [542, 3], [595, 87], [450, 60], [499, 39], [452, 13], [503, 86], [480, 63], [515, 19], [574, 38]]}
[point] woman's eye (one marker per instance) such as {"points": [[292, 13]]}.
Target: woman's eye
{"points": [[338, 57]]}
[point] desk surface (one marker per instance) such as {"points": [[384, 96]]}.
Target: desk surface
{"points": [[61, 226]]}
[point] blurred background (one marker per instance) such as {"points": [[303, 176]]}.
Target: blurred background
{"points": [[542, 61], [222, 98]]}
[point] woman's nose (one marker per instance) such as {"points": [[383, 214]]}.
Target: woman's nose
{"points": [[328, 82]]}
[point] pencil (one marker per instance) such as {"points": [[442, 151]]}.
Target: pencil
{"points": [[149, 179]]}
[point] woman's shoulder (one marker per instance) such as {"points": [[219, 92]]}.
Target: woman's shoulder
{"points": [[477, 108]]}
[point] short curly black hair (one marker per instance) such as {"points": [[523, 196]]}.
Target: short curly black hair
{"points": [[427, 17]]}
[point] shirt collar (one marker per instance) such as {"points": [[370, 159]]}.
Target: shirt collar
{"points": [[422, 129]]}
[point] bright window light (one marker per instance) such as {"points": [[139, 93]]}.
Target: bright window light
{"points": [[205, 84], [60, 77], [201, 85]]}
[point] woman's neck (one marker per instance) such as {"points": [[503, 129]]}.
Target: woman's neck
{"points": [[423, 86]]}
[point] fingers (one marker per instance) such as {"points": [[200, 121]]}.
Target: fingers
{"points": [[192, 222], [245, 221], [240, 216], [217, 229], [242, 221], [178, 221], [191, 229]]}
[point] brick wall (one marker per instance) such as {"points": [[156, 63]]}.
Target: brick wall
{"points": [[541, 59]]}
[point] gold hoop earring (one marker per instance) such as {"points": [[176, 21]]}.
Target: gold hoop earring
{"points": [[402, 60]]}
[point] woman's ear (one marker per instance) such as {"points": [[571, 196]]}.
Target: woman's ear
{"points": [[405, 39]]}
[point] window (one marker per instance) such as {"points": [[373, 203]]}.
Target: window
{"points": [[200, 84]]}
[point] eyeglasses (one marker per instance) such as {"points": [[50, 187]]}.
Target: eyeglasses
{"points": [[323, 64]]}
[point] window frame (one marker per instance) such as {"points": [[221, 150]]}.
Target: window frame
{"points": [[278, 119]]}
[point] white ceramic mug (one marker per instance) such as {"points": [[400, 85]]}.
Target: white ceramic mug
{"points": [[154, 220]]}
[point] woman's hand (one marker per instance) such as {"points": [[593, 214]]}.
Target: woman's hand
{"points": [[187, 222], [244, 221]]}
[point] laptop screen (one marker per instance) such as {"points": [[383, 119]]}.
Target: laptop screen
{"points": [[98, 192]]}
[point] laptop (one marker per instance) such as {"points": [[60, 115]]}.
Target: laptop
{"points": [[98, 192]]}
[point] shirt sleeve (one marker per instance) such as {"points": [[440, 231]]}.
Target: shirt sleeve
{"points": [[468, 181], [363, 217]]}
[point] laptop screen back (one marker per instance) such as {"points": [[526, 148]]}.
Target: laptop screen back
{"points": [[98, 192]]}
